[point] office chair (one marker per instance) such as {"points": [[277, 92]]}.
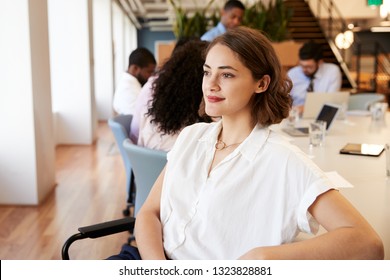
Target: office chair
{"points": [[363, 101], [120, 126], [147, 165]]}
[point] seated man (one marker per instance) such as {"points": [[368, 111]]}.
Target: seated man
{"points": [[231, 17], [312, 74], [141, 66]]}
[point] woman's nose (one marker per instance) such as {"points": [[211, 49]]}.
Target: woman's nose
{"points": [[211, 83]]}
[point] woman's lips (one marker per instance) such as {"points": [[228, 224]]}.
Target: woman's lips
{"points": [[214, 99]]}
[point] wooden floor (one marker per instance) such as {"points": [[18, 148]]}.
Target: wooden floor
{"points": [[90, 189]]}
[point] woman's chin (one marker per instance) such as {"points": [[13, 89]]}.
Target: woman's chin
{"points": [[212, 112]]}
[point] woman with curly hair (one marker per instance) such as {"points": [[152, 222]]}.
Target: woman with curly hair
{"points": [[176, 94]]}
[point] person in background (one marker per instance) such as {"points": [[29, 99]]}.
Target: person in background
{"points": [[141, 106], [231, 17], [235, 189], [171, 99], [312, 74], [142, 65]]}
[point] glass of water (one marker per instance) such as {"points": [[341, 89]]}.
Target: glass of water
{"points": [[317, 130]]}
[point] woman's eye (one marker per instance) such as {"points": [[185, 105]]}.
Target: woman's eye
{"points": [[205, 73], [227, 75]]}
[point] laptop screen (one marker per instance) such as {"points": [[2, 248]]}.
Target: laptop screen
{"points": [[328, 114]]}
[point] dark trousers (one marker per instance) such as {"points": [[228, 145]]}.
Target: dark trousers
{"points": [[128, 252]]}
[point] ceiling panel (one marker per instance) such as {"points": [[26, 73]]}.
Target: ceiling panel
{"points": [[159, 15]]}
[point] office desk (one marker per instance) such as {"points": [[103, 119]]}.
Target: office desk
{"points": [[371, 191]]}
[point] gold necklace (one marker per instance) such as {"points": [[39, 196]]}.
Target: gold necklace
{"points": [[220, 145]]}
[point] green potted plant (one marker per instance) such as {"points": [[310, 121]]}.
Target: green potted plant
{"points": [[194, 26], [271, 19]]}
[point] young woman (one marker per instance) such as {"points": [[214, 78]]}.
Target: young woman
{"points": [[234, 189]]}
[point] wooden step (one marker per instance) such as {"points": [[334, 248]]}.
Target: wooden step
{"points": [[308, 35], [302, 13], [306, 30], [303, 24], [303, 19]]}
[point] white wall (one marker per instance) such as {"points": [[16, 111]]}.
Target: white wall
{"points": [[72, 70], [27, 144], [120, 64], [35, 81], [131, 41], [103, 57], [124, 41]]}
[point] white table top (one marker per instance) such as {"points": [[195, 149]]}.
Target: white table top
{"points": [[371, 191]]}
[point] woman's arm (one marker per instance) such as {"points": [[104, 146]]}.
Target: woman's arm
{"points": [[148, 230], [349, 235]]}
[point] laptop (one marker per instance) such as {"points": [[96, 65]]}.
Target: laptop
{"points": [[315, 100], [327, 113]]}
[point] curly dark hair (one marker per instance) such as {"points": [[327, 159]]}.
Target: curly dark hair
{"points": [[177, 91]]}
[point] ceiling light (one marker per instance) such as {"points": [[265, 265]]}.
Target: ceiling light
{"points": [[385, 9], [344, 40], [380, 29]]}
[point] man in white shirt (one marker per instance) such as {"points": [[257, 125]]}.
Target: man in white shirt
{"points": [[142, 65], [312, 74], [231, 17]]}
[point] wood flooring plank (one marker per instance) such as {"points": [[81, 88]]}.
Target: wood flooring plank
{"points": [[90, 189]]}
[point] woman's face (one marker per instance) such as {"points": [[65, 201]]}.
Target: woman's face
{"points": [[228, 85]]}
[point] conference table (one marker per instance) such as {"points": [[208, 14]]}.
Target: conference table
{"points": [[370, 193]]}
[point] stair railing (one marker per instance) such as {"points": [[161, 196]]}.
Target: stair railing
{"points": [[330, 17], [333, 23]]}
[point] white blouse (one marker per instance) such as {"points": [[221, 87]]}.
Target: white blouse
{"points": [[258, 195], [151, 137]]}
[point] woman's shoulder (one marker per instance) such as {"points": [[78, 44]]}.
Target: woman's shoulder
{"points": [[281, 144], [190, 136]]}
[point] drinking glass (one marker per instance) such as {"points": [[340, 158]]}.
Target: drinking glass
{"points": [[293, 117], [317, 130]]}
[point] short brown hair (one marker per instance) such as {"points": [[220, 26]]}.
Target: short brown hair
{"points": [[257, 54]]}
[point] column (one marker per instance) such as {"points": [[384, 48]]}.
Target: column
{"points": [[71, 63], [103, 57], [27, 155]]}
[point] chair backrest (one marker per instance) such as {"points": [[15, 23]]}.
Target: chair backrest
{"points": [[147, 165], [363, 101], [120, 126]]}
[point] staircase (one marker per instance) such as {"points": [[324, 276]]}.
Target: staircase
{"points": [[304, 26]]}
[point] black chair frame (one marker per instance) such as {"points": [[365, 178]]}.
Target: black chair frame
{"points": [[98, 230]]}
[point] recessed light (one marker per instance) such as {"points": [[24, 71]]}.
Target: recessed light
{"points": [[380, 29]]}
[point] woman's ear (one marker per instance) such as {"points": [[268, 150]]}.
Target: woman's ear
{"points": [[263, 83]]}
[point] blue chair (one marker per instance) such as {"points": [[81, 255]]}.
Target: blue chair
{"points": [[120, 126], [363, 101], [147, 165]]}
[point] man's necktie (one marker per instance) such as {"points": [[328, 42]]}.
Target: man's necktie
{"points": [[310, 88]]}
